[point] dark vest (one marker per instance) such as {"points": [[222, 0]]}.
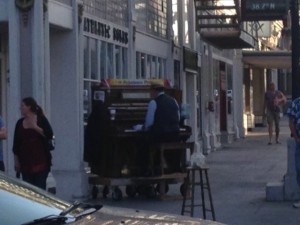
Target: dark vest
{"points": [[166, 115]]}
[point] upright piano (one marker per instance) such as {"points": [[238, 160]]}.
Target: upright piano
{"points": [[126, 102]]}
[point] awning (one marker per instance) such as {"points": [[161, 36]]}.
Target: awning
{"points": [[231, 39], [268, 59]]}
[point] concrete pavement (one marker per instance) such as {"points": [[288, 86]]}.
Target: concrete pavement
{"points": [[238, 175]]}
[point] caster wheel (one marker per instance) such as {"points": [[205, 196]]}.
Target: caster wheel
{"points": [[150, 191], [141, 189], [157, 189], [105, 191], [131, 191], [117, 194], [95, 192]]}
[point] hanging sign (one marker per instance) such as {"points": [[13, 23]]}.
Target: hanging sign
{"points": [[255, 10], [190, 60]]}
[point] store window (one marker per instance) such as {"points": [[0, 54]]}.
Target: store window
{"points": [[149, 66], [109, 61], [124, 63], [102, 60], [94, 59], [177, 80], [102, 63], [86, 57], [118, 61]]}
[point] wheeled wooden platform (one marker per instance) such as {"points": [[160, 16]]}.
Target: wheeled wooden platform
{"points": [[148, 186], [133, 184]]}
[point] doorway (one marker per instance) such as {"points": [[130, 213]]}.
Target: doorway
{"points": [[223, 97]]}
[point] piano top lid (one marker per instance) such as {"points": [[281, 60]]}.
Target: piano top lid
{"points": [[134, 83]]}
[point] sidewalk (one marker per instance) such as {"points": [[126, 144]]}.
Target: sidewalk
{"points": [[238, 175]]}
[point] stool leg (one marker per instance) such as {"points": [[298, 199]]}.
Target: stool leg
{"points": [[210, 197], [193, 193], [162, 161], [186, 183], [202, 194]]}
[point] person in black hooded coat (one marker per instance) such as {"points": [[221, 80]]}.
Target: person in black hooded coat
{"points": [[96, 140]]}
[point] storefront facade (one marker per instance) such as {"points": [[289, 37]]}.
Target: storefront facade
{"points": [[56, 50]]}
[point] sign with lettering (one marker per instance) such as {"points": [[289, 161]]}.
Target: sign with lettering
{"points": [[255, 10], [137, 82], [106, 31], [190, 60]]}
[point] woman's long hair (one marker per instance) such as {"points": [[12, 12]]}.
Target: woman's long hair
{"points": [[34, 107]]}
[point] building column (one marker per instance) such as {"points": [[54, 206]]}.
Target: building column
{"points": [[131, 42], [206, 98], [238, 94], [38, 53], [67, 110], [13, 80]]}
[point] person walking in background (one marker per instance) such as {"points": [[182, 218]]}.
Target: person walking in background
{"points": [[31, 153], [273, 100], [3, 136], [293, 113]]}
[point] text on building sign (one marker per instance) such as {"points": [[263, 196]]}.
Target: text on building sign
{"points": [[105, 31], [262, 6]]}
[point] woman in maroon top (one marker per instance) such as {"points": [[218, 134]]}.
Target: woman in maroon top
{"points": [[32, 132]]}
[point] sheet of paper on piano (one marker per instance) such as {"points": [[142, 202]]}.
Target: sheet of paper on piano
{"points": [[138, 127], [135, 128]]}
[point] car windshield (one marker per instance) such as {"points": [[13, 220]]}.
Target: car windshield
{"points": [[21, 202]]}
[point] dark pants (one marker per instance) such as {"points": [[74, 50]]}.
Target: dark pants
{"points": [[2, 168], [147, 155], [37, 179]]}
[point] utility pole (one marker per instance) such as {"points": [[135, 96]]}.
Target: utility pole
{"points": [[295, 48]]}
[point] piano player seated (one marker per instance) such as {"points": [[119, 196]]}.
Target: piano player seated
{"points": [[162, 125]]}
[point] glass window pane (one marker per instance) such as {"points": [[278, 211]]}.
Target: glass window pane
{"points": [[175, 20], [109, 61], [148, 73], [153, 67], [103, 60], [163, 68], [94, 59], [143, 67], [115, 11], [86, 100], [124, 63], [138, 65], [86, 57], [186, 22], [152, 16], [118, 61], [159, 68]]}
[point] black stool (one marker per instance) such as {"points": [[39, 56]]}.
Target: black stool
{"points": [[189, 188]]}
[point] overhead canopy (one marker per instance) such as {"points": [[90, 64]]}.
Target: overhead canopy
{"points": [[231, 39], [268, 59]]}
